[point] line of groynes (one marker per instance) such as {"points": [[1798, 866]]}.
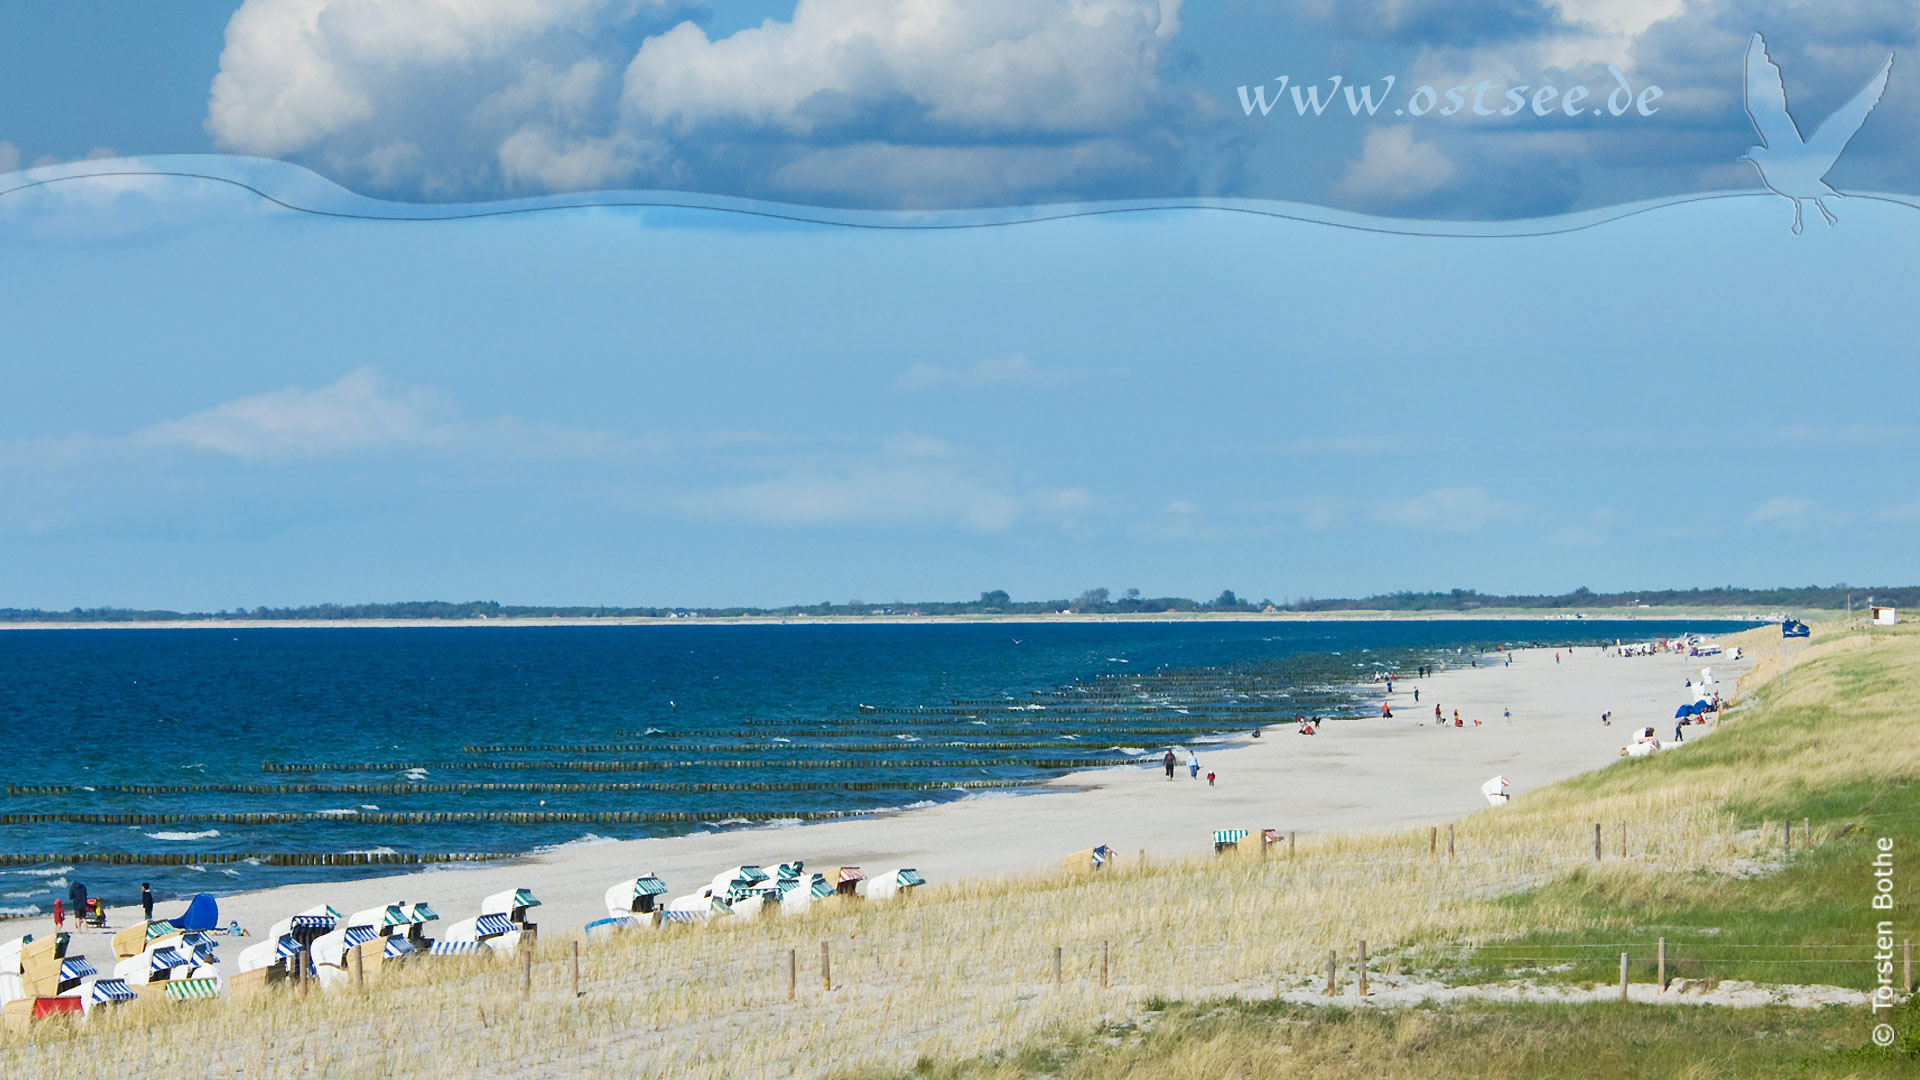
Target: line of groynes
{"points": [[439, 817], [529, 788], [851, 748], [660, 766], [214, 858]]}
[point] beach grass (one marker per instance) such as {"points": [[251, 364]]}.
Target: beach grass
{"points": [[962, 976]]}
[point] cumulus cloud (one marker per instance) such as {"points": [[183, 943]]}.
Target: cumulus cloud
{"points": [[357, 412], [1395, 167], [974, 66], [956, 101]]}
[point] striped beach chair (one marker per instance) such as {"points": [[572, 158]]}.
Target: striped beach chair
{"points": [[1226, 838]]}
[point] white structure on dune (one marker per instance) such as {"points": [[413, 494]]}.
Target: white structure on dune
{"points": [[500, 926], [1496, 791]]}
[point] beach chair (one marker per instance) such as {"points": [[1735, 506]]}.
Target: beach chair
{"points": [[19, 1013], [513, 904], [637, 900], [1090, 860], [847, 881], [107, 992], [695, 908], [1259, 842], [1227, 839], [894, 883], [1496, 791], [797, 896]]}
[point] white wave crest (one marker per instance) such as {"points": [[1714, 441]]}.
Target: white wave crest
{"points": [[46, 871], [206, 835]]}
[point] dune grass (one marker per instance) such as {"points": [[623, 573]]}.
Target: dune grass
{"points": [[963, 974]]}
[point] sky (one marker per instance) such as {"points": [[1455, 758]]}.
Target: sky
{"points": [[215, 400], [942, 103]]}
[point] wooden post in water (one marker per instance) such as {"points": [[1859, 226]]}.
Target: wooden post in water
{"points": [[576, 969], [1663, 965], [793, 973], [1623, 978], [1056, 966], [1596, 841], [826, 968], [1363, 967]]}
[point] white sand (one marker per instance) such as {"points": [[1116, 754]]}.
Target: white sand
{"points": [[1355, 775]]}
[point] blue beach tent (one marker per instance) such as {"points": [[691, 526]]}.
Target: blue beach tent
{"points": [[1794, 628], [202, 914]]}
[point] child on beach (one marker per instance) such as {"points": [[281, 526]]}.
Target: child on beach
{"points": [[59, 915], [1209, 777]]}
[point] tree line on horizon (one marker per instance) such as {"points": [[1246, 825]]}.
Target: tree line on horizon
{"points": [[1097, 601]]}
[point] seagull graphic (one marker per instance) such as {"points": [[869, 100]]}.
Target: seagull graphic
{"points": [[1791, 166]]}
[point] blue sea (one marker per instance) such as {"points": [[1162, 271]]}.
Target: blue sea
{"points": [[160, 743]]}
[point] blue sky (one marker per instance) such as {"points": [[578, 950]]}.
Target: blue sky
{"points": [[916, 103], [214, 402]]}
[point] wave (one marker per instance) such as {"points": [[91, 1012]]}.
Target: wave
{"points": [[207, 835], [17, 912], [372, 851], [20, 895], [46, 871], [589, 840]]}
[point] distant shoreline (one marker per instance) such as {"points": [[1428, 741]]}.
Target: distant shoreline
{"points": [[1495, 615]]}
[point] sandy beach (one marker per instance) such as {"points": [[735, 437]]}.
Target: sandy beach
{"points": [[1355, 775]]}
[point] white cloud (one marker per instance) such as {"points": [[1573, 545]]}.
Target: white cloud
{"points": [[975, 66], [1467, 509], [9, 157], [1012, 370], [1395, 167], [1781, 510], [535, 157], [295, 72], [355, 413]]}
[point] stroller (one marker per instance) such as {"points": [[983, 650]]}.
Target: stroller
{"points": [[95, 914]]}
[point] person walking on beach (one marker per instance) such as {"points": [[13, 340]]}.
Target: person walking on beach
{"points": [[59, 915], [1168, 762], [1416, 695], [146, 901], [77, 899], [1193, 765]]}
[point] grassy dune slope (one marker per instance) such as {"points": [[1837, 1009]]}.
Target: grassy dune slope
{"points": [[961, 977]]}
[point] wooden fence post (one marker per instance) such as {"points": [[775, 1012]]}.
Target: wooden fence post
{"points": [[1789, 834], [1103, 965], [1333, 970], [1663, 965], [1290, 836], [793, 973], [1449, 841], [1907, 964], [1806, 833], [1623, 839], [576, 968], [826, 968], [1363, 967], [526, 970], [359, 969], [1433, 841], [1623, 978], [1056, 967]]}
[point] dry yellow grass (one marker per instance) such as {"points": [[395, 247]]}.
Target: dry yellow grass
{"points": [[967, 969]]}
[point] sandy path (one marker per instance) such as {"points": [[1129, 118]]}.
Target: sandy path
{"points": [[1360, 774]]}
